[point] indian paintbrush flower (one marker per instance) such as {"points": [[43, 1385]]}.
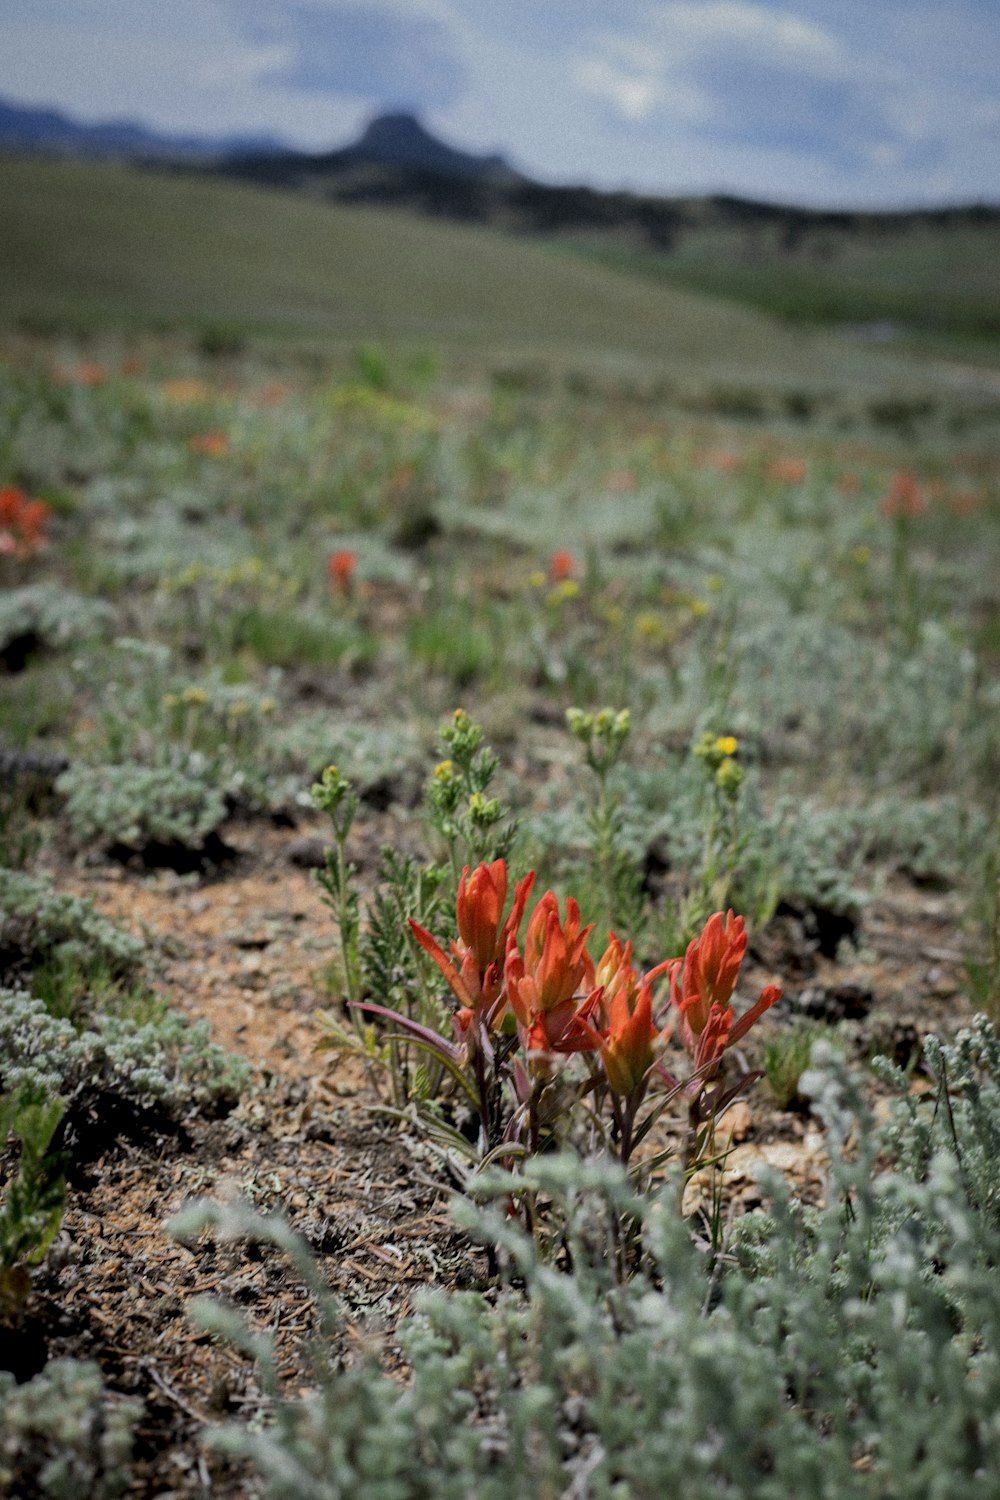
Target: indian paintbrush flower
{"points": [[702, 985], [552, 989], [474, 971], [341, 567]]}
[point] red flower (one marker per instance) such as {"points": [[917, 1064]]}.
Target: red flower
{"points": [[903, 497], [22, 523], [562, 565], [702, 986], [552, 989], [341, 567], [209, 444], [474, 972], [708, 974]]}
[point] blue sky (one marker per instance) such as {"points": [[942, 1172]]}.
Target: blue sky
{"points": [[842, 102]]}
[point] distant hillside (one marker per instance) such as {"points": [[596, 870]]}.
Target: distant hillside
{"points": [[929, 272], [90, 244], [23, 128]]}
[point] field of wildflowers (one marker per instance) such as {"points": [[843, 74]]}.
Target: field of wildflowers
{"points": [[613, 763]]}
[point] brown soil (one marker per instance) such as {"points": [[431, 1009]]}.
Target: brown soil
{"points": [[247, 948]]}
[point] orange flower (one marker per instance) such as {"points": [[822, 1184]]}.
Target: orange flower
{"points": [[210, 444], [620, 481], [552, 989], [562, 565], [474, 972], [701, 993], [707, 976], [786, 470], [903, 497], [22, 523], [11, 504], [341, 566], [629, 1046], [720, 1033], [87, 373], [628, 1039], [722, 461]]}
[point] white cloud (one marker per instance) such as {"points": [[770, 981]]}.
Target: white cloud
{"points": [[633, 95], [737, 22]]}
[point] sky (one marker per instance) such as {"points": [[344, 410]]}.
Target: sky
{"points": [[822, 102]]}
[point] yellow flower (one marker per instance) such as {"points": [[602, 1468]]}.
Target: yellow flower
{"points": [[727, 744], [195, 695], [700, 607], [715, 583], [444, 770], [861, 555]]}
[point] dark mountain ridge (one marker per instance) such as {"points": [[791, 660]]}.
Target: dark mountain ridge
{"points": [[25, 128], [396, 162]]}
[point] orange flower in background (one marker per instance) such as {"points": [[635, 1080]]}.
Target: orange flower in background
{"points": [[786, 470], [474, 972], [552, 989], [341, 567], [848, 484], [722, 461], [86, 373], [185, 388], [272, 394], [208, 444], [621, 481], [22, 523], [903, 496], [562, 565]]}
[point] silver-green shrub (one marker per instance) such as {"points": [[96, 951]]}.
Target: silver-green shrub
{"points": [[62, 1435], [135, 806], [169, 1062], [847, 1351], [37, 920], [55, 616]]}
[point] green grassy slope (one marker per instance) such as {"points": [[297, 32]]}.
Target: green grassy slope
{"points": [[100, 244], [937, 281]]}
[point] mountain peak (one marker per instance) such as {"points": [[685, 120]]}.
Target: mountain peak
{"points": [[400, 139]]}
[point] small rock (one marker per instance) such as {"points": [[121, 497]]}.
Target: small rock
{"points": [[308, 853], [835, 1002]]}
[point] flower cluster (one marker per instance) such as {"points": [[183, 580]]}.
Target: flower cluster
{"points": [[525, 1007], [22, 523], [341, 567]]}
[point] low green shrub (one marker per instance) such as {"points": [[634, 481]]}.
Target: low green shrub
{"points": [[134, 807], [62, 1434], [33, 1196], [851, 1350], [38, 921], [45, 616], [166, 1064]]}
